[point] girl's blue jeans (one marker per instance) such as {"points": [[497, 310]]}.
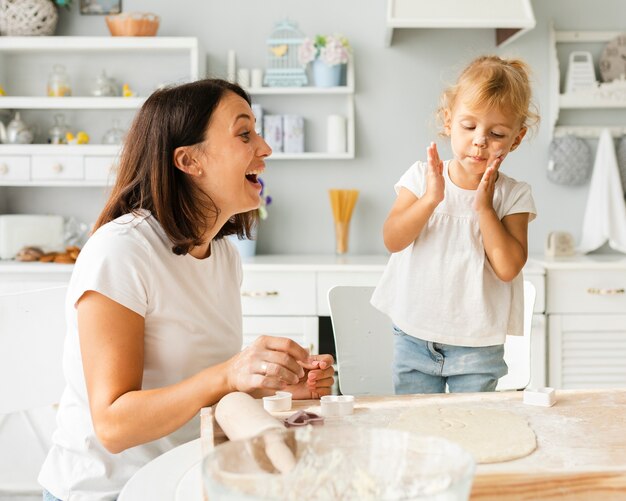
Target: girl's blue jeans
{"points": [[49, 497], [424, 367]]}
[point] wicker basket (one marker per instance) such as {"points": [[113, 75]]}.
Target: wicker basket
{"points": [[27, 17], [133, 24]]}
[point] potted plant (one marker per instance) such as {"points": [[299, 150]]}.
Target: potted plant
{"points": [[328, 55]]}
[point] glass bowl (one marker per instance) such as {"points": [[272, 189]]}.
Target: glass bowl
{"points": [[335, 463]]}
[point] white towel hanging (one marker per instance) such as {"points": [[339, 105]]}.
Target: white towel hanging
{"points": [[605, 214]]}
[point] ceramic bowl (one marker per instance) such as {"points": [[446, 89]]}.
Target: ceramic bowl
{"points": [[339, 463], [133, 24]]}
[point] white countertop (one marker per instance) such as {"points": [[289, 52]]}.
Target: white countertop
{"points": [[536, 265]]}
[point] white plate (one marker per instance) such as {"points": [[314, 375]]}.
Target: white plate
{"points": [[189, 487]]}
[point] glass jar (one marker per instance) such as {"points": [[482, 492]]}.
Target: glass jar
{"points": [[57, 133], [59, 82], [115, 135], [105, 86]]}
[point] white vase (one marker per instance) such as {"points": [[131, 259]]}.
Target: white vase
{"points": [[325, 75], [245, 247]]}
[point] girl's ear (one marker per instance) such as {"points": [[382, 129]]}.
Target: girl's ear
{"points": [[519, 138], [184, 161], [447, 121]]}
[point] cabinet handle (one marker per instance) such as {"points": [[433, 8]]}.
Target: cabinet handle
{"points": [[259, 293], [4, 169], [604, 292], [57, 168]]}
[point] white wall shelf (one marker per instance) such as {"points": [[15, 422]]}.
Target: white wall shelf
{"points": [[59, 149], [92, 164], [344, 92], [299, 91], [591, 132], [584, 101], [70, 103], [598, 99], [510, 19]]}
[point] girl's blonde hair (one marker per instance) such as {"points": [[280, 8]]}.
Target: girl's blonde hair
{"points": [[491, 82]]}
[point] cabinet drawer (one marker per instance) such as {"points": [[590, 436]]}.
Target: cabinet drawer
{"points": [[302, 330], [100, 168], [328, 280], [14, 168], [278, 293], [586, 291], [57, 167]]}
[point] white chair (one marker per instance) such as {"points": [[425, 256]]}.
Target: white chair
{"points": [[32, 332], [364, 343]]}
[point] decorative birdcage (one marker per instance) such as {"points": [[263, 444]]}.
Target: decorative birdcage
{"points": [[283, 67]]}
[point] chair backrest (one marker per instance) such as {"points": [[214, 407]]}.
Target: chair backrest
{"points": [[517, 348], [364, 343], [32, 332]]}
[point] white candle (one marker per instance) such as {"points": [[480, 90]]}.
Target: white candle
{"points": [[336, 134], [257, 77], [231, 66], [243, 77]]}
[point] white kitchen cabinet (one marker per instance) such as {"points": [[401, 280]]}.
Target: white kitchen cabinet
{"points": [[578, 112], [314, 104], [586, 309], [304, 330], [25, 63]]}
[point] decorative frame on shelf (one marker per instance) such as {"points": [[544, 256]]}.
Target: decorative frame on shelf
{"points": [[100, 7]]}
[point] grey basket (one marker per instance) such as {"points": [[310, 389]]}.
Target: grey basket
{"points": [[571, 161]]}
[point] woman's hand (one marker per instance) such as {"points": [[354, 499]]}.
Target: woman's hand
{"points": [[486, 188], [435, 184], [318, 378], [270, 363]]}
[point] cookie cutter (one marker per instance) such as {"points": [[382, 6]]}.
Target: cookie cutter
{"points": [[545, 397], [302, 418], [279, 402], [337, 405]]}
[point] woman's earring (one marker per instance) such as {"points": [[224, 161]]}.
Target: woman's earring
{"points": [[199, 172]]}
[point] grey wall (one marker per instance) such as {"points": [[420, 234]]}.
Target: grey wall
{"points": [[396, 94]]}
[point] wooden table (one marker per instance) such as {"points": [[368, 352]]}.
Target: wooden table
{"points": [[581, 442], [580, 455]]}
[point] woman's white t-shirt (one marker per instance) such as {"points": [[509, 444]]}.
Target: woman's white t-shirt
{"points": [[442, 288], [192, 312]]}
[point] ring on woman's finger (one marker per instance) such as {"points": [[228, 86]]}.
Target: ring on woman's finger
{"points": [[264, 368]]}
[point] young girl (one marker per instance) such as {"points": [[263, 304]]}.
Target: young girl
{"points": [[458, 233]]}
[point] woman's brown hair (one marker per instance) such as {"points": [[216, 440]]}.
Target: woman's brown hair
{"points": [[147, 177]]}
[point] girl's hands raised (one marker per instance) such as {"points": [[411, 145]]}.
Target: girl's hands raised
{"points": [[484, 193], [435, 184]]}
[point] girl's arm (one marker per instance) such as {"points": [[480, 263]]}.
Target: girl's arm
{"points": [[506, 241], [409, 214], [124, 415]]}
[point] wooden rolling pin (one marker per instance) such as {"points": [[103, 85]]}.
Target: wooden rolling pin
{"points": [[242, 417]]}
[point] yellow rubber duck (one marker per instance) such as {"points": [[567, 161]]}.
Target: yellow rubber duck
{"points": [[126, 91], [2, 92], [82, 137]]}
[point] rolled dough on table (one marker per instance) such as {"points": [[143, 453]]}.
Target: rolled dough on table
{"points": [[491, 436]]}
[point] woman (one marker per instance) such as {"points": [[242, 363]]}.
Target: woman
{"points": [[153, 309]]}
